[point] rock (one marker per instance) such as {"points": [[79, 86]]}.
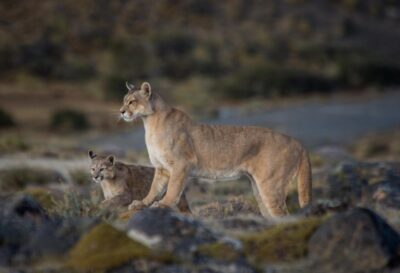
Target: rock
{"points": [[53, 238], [355, 241], [386, 193], [25, 206], [144, 266], [105, 247], [211, 267], [28, 234], [353, 183], [284, 242], [20, 216], [324, 206], [165, 229], [332, 155], [14, 233]]}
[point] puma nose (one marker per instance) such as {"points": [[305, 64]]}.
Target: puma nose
{"points": [[122, 111]]}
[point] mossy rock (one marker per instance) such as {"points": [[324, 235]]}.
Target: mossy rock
{"points": [[43, 196], [281, 243], [220, 251], [105, 247]]}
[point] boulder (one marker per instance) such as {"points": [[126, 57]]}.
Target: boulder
{"points": [[24, 206], [104, 248], [355, 183], [355, 241], [386, 193], [53, 238], [28, 233], [14, 233], [165, 229], [20, 216], [144, 266]]}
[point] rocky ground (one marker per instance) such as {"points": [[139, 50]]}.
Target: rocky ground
{"points": [[353, 225]]}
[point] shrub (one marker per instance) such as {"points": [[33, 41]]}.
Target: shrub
{"points": [[12, 144], [43, 196], [114, 87], [267, 81], [6, 120], [206, 60], [74, 69], [130, 61], [174, 48], [69, 120], [363, 72], [19, 178], [42, 56], [75, 205], [80, 177]]}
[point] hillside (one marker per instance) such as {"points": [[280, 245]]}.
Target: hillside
{"points": [[242, 48]]}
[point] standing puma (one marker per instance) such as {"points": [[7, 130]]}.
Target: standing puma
{"points": [[179, 147], [121, 183]]}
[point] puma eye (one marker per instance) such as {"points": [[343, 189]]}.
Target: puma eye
{"points": [[101, 169], [92, 169], [132, 101]]}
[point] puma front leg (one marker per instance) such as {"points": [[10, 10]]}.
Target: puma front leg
{"points": [[157, 188], [175, 188]]}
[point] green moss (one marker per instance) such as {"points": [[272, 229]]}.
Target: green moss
{"points": [[105, 247], [219, 251], [43, 196], [281, 243]]}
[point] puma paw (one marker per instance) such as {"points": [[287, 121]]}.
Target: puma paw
{"points": [[136, 205], [158, 204]]}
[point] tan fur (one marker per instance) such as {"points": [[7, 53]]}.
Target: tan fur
{"points": [[122, 183], [179, 147]]}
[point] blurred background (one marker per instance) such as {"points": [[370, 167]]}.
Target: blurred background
{"points": [[326, 72]]}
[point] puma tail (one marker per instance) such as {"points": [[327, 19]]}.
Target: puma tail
{"points": [[304, 181]]}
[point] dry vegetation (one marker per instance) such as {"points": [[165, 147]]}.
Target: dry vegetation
{"points": [[378, 146], [76, 56]]}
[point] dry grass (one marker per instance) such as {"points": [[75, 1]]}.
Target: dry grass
{"points": [[382, 146], [225, 208]]}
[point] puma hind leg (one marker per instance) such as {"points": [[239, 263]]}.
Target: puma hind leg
{"points": [[271, 194]]}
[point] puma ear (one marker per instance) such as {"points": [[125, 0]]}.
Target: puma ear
{"points": [[111, 159], [146, 89], [129, 86], [92, 154]]}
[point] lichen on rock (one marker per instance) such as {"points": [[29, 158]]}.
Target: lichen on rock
{"points": [[104, 247], [220, 251], [282, 243]]}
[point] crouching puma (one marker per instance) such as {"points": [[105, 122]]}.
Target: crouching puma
{"points": [[178, 147], [122, 183]]}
